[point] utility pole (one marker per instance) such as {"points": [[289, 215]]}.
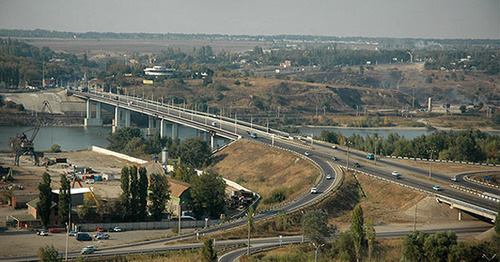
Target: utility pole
{"points": [[235, 122], [415, 219]]}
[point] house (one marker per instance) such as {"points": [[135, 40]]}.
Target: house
{"points": [[21, 198], [179, 193], [32, 219]]}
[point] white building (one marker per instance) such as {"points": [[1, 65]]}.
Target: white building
{"points": [[159, 71]]}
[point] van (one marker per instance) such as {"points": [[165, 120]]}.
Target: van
{"points": [[83, 237]]}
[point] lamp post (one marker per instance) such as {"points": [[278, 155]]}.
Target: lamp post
{"points": [[432, 151], [180, 214], [375, 150], [317, 247], [206, 222], [347, 143]]}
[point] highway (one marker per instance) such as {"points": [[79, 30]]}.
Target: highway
{"points": [[321, 155]]}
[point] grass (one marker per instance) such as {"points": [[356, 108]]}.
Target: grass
{"points": [[495, 178], [265, 170]]}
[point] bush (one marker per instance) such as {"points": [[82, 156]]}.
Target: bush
{"points": [[275, 197], [55, 148], [48, 254]]}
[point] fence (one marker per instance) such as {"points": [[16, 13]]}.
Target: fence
{"points": [[147, 225]]}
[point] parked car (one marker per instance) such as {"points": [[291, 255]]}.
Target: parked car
{"points": [[73, 233], [117, 229], [55, 230], [83, 237], [100, 229], [188, 218], [89, 181], [437, 188], [334, 158], [307, 153], [101, 235], [44, 233], [328, 176], [314, 190]]}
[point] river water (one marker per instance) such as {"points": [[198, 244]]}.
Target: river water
{"points": [[78, 137]]}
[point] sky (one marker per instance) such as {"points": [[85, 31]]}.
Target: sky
{"points": [[370, 18]]}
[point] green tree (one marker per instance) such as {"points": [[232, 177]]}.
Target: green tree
{"points": [[45, 200], [357, 231], [315, 227], [64, 200], [361, 70], [208, 254], [55, 148], [134, 194], [119, 139], [143, 194], [125, 196], [195, 152], [370, 237], [184, 173], [208, 193], [343, 247], [48, 254], [159, 195], [437, 247], [413, 246]]}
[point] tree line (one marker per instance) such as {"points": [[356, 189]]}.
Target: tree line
{"points": [[465, 145]]}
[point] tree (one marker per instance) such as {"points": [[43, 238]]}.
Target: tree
{"points": [[48, 254], [357, 231], [315, 227], [143, 194], [208, 254], [119, 139], [361, 70], [134, 193], [413, 246], [55, 148], [437, 247], [208, 193], [195, 152], [45, 200], [463, 109], [184, 173], [370, 237], [64, 200], [125, 196], [159, 195]]}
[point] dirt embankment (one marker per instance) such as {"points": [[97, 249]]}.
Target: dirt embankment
{"points": [[264, 169]]}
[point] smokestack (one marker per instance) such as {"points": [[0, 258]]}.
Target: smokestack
{"points": [[164, 156], [429, 105]]}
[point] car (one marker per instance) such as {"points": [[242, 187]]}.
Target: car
{"points": [[87, 251], [356, 165], [117, 229], [214, 124], [314, 190], [307, 153], [101, 235], [254, 136], [437, 188], [83, 237], [73, 233], [189, 218], [44, 233], [396, 174], [55, 230], [334, 158], [328, 176], [92, 247], [89, 181], [100, 229], [454, 179], [370, 156], [334, 147]]}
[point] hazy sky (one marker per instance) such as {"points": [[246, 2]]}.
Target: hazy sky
{"points": [[384, 18]]}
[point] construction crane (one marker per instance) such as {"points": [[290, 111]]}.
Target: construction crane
{"points": [[22, 145]]}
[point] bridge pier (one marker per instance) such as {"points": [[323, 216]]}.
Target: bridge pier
{"points": [[89, 121], [127, 118], [162, 128], [212, 141], [117, 120], [459, 215], [153, 125], [175, 131]]}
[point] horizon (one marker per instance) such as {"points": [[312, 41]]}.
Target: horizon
{"points": [[426, 19]]}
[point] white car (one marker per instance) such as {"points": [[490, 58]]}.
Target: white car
{"points": [[307, 153], [117, 229], [328, 176], [314, 190], [89, 181], [396, 174], [44, 233]]}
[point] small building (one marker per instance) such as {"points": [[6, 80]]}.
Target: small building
{"points": [[286, 64], [160, 71], [77, 195], [21, 198], [179, 193], [32, 219]]}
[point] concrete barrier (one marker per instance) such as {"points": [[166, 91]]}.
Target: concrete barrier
{"points": [[116, 154]]}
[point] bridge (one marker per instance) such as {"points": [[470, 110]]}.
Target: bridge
{"points": [[162, 114]]}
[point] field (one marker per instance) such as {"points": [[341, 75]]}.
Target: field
{"points": [[265, 169]]}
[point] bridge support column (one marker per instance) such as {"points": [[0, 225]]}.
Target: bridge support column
{"points": [[98, 110], [89, 121], [459, 215], [212, 141], [162, 128], [152, 125], [117, 120], [175, 131], [127, 118]]}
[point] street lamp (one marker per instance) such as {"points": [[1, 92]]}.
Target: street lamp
{"points": [[432, 151], [206, 222], [347, 143], [375, 150], [317, 247]]}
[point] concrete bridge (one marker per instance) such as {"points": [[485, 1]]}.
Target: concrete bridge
{"points": [[209, 126]]}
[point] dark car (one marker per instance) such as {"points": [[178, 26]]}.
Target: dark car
{"points": [[356, 165], [83, 237], [334, 158]]}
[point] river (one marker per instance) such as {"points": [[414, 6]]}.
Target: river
{"points": [[78, 137]]}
